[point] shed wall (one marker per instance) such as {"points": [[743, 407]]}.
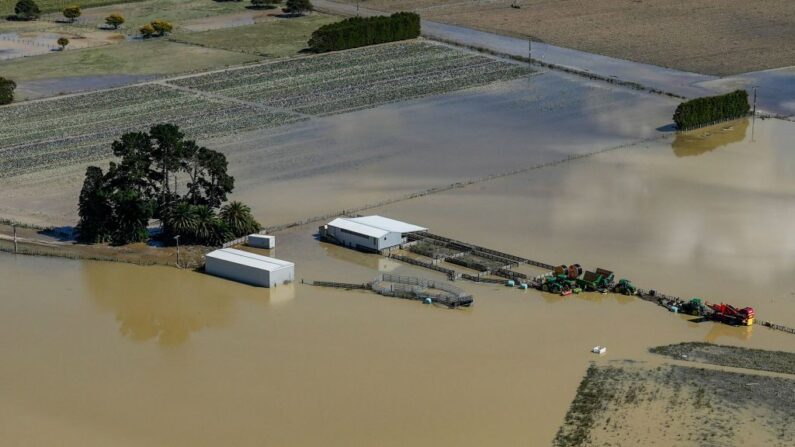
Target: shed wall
{"points": [[353, 240], [247, 274]]}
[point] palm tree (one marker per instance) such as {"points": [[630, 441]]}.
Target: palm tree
{"points": [[205, 223], [181, 220], [237, 216], [220, 234]]}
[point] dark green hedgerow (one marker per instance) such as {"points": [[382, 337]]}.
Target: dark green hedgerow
{"points": [[710, 109], [360, 31]]}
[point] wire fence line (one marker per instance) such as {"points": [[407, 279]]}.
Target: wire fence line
{"points": [[456, 185]]}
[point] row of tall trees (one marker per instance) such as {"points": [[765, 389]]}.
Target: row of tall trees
{"points": [[116, 206], [361, 31], [709, 109]]}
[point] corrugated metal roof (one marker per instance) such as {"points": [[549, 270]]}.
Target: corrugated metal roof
{"points": [[387, 224], [249, 259], [356, 227]]}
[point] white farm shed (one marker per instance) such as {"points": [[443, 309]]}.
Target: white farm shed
{"points": [[261, 241], [249, 268], [368, 233]]}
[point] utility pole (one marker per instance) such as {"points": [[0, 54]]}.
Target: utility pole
{"points": [[15, 238], [753, 117], [357, 8], [755, 87], [176, 238], [530, 48]]}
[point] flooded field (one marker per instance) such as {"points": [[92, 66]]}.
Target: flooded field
{"points": [[396, 149], [105, 352], [160, 356], [705, 214]]}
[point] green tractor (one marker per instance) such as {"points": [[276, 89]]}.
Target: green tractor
{"points": [[693, 307], [625, 287], [558, 284], [598, 280]]}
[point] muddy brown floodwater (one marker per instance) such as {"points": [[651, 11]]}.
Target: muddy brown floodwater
{"points": [[98, 353], [707, 215]]}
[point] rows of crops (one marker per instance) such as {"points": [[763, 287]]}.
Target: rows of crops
{"points": [[360, 78], [80, 128]]}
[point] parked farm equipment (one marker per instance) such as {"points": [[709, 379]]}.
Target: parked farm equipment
{"points": [[572, 279], [724, 313]]}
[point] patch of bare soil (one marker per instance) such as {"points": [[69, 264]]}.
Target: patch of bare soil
{"points": [[704, 36], [627, 403]]}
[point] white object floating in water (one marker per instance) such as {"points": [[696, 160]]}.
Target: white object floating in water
{"points": [[428, 301], [599, 350]]}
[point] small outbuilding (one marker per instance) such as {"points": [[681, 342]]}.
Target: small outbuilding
{"points": [[249, 268], [368, 233], [261, 241]]}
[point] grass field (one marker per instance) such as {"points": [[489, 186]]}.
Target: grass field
{"points": [[7, 6], [226, 42], [176, 11], [128, 58], [704, 36], [270, 38]]}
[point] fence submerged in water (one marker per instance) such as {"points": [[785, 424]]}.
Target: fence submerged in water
{"points": [[407, 287]]}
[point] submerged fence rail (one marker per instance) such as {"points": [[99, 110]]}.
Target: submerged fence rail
{"points": [[407, 287]]}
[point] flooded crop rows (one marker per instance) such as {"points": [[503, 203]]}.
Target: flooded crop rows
{"points": [[356, 79], [37, 135]]}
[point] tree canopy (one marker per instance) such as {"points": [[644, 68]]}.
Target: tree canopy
{"points": [[356, 32], [63, 42], [264, 4], [27, 10], [114, 20], [116, 206], [72, 12], [297, 7], [156, 28], [710, 109], [162, 27], [7, 87]]}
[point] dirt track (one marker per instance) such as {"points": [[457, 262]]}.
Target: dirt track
{"points": [[704, 36]]}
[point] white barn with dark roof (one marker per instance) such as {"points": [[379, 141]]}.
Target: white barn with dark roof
{"points": [[368, 233]]}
